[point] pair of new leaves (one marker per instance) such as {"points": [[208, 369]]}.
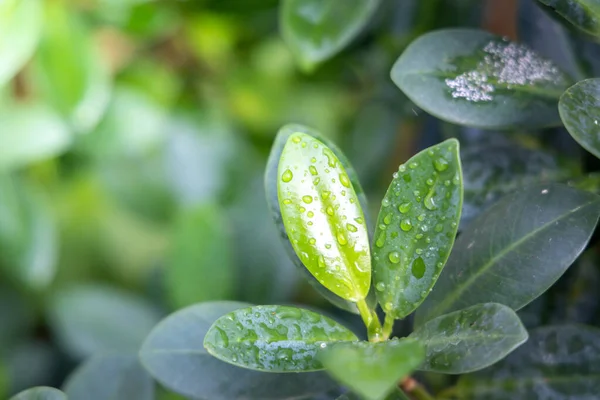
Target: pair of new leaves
{"points": [[318, 202]]}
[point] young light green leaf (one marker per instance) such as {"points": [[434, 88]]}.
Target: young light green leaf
{"points": [[395, 395], [323, 217], [470, 339], [471, 77], [579, 109], [201, 266], [372, 369], [273, 338], [316, 30], [174, 354], [114, 377], [416, 227], [20, 30], [557, 362], [40, 393], [583, 14], [271, 183], [491, 260]]}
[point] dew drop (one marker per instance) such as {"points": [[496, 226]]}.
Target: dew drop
{"points": [[389, 306], [429, 182], [404, 208], [287, 201], [329, 210], [341, 239], [380, 240], [307, 199], [220, 337], [313, 170], [344, 180], [413, 165], [402, 168], [301, 209], [380, 286], [296, 139], [440, 164], [385, 202], [287, 176], [406, 225], [316, 181], [429, 202], [312, 241], [394, 257], [313, 160], [321, 262], [351, 228], [387, 219], [310, 214], [418, 268], [326, 194], [327, 246], [359, 220], [421, 217]]}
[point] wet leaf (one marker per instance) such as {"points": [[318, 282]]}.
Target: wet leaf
{"points": [[273, 338], [583, 14], [416, 227], [174, 354], [579, 109], [395, 395], [316, 30], [372, 369], [471, 77], [40, 393], [20, 30], [92, 319], [323, 217], [201, 266], [271, 183], [515, 250], [470, 339], [557, 362], [110, 377]]}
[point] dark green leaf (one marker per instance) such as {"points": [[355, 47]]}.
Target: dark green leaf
{"points": [[40, 393], [470, 339], [515, 250], [271, 182], [474, 78], [416, 227], [201, 266], [557, 362], [273, 338], [20, 29], [583, 14], [17, 316], [110, 377], [91, 319], [579, 109], [372, 369], [316, 30], [174, 354]]}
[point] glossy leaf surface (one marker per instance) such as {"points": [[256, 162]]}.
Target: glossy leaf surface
{"points": [[583, 14], [416, 227], [273, 338], [515, 250], [40, 393], [316, 30], [110, 377], [20, 29], [201, 267], [323, 217], [372, 369], [174, 354], [470, 339], [579, 109], [471, 77], [271, 183], [557, 362], [395, 395]]}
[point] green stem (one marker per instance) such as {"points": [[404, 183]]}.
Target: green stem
{"points": [[415, 389], [370, 320], [388, 325]]}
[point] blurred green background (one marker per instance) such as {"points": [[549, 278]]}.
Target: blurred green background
{"points": [[133, 140]]}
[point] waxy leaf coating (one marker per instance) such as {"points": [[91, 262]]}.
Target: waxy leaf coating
{"points": [[579, 109], [372, 369], [470, 339], [273, 338], [416, 227], [323, 217]]}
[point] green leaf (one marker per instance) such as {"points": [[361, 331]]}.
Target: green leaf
{"points": [[110, 377], [395, 395], [583, 14], [201, 266], [416, 227], [271, 183], [515, 250], [372, 369], [92, 319], [323, 217], [20, 30], [316, 30], [471, 77], [68, 69], [579, 109], [470, 339], [40, 393], [30, 133], [557, 362], [273, 338], [174, 354]]}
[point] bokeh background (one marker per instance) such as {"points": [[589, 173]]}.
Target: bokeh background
{"points": [[133, 140]]}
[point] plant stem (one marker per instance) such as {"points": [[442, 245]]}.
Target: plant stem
{"points": [[388, 325], [415, 389], [370, 320]]}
